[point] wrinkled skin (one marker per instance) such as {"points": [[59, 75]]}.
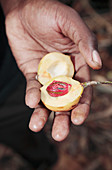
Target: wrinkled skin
{"points": [[37, 27]]}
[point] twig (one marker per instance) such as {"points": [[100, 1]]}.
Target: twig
{"points": [[91, 83]]}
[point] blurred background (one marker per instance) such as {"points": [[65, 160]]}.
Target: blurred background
{"points": [[88, 146]]}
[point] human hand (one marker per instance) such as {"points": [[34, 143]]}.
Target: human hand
{"points": [[36, 27]]}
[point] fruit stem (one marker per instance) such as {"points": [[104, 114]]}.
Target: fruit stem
{"points": [[90, 83]]}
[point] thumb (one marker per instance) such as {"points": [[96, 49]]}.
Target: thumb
{"points": [[88, 48], [73, 27]]}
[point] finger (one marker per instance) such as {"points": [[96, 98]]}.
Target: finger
{"points": [[61, 126], [32, 97], [76, 30], [33, 86], [38, 118], [80, 113], [89, 52], [82, 72]]}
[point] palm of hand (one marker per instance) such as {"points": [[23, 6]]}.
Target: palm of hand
{"points": [[33, 35]]}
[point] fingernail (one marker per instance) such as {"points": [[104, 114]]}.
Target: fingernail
{"points": [[78, 120], [96, 58], [34, 126], [57, 136]]}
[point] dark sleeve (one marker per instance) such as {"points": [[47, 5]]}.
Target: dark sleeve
{"points": [[9, 72]]}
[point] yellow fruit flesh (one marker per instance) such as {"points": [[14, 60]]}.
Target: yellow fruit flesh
{"points": [[68, 107], [54, 64]]}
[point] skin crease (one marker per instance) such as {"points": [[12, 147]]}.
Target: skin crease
{"points": [[36, 27]]}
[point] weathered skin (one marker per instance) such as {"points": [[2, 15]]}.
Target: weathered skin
{"points": [[36, 27]]}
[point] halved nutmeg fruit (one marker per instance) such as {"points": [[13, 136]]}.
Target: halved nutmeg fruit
{"points": [[61, 93], [54, 64]]}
